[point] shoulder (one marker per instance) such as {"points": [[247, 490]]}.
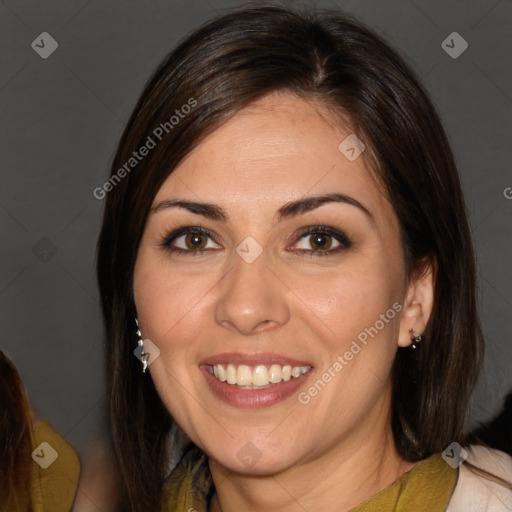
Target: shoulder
{"points": [[475, 492], [56, 474]]}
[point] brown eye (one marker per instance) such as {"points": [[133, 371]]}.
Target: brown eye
{"points": [[319, 240], [190, 240], [195, 241]]}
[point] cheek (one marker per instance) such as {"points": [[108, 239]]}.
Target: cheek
{"points": [[354, 330], [345, 302], [167, 298], [171, 306]]}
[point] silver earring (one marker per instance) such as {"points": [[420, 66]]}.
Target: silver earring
{"points": [[415, 338], [143, 355]]}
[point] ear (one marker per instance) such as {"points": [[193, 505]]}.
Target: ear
{"points": [[418, 302]]}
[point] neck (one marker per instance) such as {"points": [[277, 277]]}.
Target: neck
{"points": [[345, 475]]}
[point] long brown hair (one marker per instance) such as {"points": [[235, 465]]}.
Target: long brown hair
{"points": [[15, 439], [327, 56]]}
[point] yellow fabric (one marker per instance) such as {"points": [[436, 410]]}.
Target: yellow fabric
{"points": [[427, 487], [53, 488], [190, 483]]}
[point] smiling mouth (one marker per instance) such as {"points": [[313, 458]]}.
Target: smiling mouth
{"points": [[259, 376]]}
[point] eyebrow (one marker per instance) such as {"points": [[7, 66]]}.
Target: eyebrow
{"points": [[288, 210]]}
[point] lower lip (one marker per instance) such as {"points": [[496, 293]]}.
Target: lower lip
{"points": [[253, 398]]}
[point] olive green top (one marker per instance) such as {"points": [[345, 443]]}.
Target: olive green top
{"points": [[55, 470], [427, 487]]}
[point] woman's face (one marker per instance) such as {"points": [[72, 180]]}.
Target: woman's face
{"points": [[257, 294]]}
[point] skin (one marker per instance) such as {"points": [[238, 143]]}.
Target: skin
{"points": [[338, 450]]}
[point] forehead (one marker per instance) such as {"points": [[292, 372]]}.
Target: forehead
{"points": [[275, 150]]}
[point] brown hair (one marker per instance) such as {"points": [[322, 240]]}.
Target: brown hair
{"points": [[15, 439], [319, 55]]}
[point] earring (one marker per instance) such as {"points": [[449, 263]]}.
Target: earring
{"points": [[415, 338], [143, 355]]}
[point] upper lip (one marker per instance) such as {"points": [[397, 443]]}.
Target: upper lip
{"points": [[266, 358]]}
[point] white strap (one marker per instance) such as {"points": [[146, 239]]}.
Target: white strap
{"points": [[475, 493]]}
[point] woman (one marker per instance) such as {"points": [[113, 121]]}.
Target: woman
{"points": [[285, 248], [39, 469]]}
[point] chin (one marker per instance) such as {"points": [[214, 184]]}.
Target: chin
{"points": [[249, 456], [264, 466]]}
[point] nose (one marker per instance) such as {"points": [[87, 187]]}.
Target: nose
{"points": [[252, 297]]}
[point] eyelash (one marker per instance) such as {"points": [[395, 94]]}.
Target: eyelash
{"points": [[328, 230]]}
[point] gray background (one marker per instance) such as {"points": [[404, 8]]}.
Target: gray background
{"points": [[62, 117]]}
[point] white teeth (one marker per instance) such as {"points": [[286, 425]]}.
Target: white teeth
{"points": [[260, 376], [231, 374], [276, 374], [244, 375], [250, 377], [222, 373]]}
